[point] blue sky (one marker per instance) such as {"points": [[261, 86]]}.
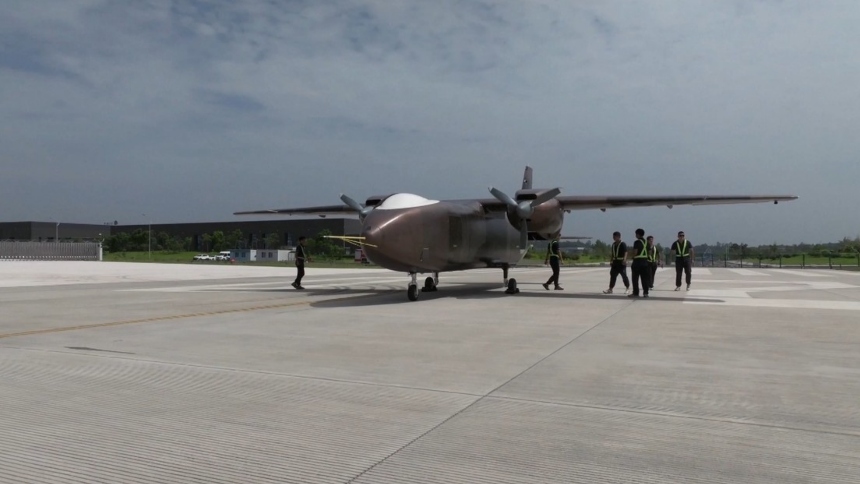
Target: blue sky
{"points": [[191, 110]]}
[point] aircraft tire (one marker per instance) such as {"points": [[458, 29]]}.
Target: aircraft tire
{"points": [[412, 292]]}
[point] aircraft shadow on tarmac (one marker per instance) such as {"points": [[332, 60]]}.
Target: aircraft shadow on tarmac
{"points": [[357, 297], [378, 297]]}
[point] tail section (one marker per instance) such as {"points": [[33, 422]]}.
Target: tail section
{"points": [[527, 178]]}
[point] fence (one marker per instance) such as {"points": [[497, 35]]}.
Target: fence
{"points": [[829, 261], [30, 250]]}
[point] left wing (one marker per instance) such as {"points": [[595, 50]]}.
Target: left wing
{"points": [[602, 203], [589, 203]]}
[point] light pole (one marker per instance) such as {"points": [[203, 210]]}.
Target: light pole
{"points": [[149, 236], [57, 232]]}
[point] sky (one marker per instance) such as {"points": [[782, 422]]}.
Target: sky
{"points": [[181, 111]]}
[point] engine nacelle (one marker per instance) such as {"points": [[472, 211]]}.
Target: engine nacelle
{"points": [[544, 223]]}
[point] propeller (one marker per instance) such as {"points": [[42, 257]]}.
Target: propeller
{"points": [[362, 211], [524, 209]]}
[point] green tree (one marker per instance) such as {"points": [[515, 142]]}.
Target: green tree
{"points": [[273, 241], [217, 241], [324, 247], [207, 243], [234, 240]]}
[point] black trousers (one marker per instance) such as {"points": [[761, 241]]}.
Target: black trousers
{"points": [[641, 270], [616, 268], [683, 264], [653, 273], [553, 262], [300, 266]]}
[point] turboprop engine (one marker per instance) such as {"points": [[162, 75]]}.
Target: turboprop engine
{"points": [[534, 211]]}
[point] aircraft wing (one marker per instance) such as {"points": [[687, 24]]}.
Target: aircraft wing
{"points": [[603, 203], [321, 210]]}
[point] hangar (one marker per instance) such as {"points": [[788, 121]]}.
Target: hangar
{"points": [[256, 234]]}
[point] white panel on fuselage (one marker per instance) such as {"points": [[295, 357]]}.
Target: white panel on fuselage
{"points": [[404, 200]]}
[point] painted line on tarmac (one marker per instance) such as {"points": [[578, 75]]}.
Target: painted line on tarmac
{"points": [[303, 302]]}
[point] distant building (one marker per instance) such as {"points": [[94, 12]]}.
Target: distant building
{"points": [[280, 233], [285, 233], [262, 255], [50, 231]]}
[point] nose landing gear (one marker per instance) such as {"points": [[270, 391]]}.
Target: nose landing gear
{"points": [[430, 285], [412, 292]]}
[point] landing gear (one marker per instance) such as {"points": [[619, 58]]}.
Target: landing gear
{"points": [[430, 285], [412, 292], [510, 284]]}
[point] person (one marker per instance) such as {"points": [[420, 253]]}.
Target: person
{"points": [[640, 267], [301, 258], [683, 251], [618, 263], [553, 257], [653, 258]]}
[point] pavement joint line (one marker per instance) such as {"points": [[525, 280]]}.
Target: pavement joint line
{"points": [[677, 415], [173, 317], [87, 353], [487, 395]]}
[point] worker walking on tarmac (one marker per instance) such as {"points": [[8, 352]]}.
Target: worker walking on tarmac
{"points": [[653, 258], [640, 267], [683, 251], [553, 257], [301, 258], [617, 263]]}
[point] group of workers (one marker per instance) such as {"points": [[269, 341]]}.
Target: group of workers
{"points": [[645, 260]]}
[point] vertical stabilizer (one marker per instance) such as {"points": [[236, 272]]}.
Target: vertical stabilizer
{"points": [[527, 178]]}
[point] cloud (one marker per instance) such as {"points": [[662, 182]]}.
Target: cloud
{"points": [[196, 109]]}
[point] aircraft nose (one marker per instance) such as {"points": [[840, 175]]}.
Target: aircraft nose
{"points": [[373, 236], [391, 241]]}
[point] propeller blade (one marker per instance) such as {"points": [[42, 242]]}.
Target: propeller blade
{"points": [[545, 197], [351, 203], [362, 211], [524, 235], [503, 197]]}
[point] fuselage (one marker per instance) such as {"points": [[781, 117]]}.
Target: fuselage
{"points": [[408, 233]]}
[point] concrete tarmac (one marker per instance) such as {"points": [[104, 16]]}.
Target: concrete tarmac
{"points": [[158, 373]]}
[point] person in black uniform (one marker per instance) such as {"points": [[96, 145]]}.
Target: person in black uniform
{"points": [[301, 257], [640, 267], [653, 258], [617, 263], [683, 250], [553, 257]]}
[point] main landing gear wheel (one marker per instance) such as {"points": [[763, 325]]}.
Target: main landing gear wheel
{"points": [[512, 287], [429, 285]]}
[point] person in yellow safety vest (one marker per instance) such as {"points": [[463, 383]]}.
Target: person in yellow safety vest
{"points": [[683, 253], [617, 263], [640, 267], [653, 258], [553, 257]]}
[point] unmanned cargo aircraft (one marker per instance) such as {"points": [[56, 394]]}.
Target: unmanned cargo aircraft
{"points": [[408, 233]]}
